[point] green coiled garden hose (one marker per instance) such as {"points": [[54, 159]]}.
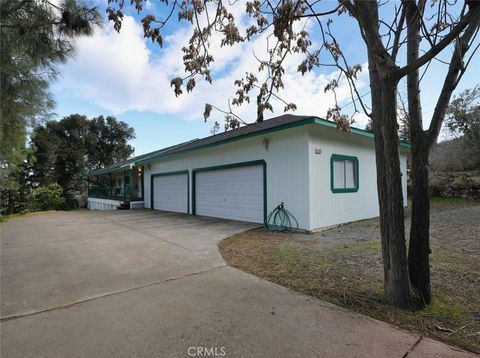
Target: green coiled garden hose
{"points": [[281, 220]]}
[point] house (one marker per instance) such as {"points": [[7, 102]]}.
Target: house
{"points": [[323, 176]]}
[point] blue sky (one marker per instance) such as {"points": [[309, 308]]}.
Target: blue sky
{"points": [[128, 77]]}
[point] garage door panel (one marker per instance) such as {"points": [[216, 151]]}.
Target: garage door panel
{"points": [[235, 193], [170, 193]]}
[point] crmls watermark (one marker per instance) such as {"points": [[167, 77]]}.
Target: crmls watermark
{"points": [[207, 351]]}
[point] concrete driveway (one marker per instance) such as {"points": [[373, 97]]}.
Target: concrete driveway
{"points": [[152, 284]]}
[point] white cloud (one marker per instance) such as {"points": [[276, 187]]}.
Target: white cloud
{"points": [[149, 5], [118, 72]]}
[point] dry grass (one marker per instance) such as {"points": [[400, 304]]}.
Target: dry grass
{"points": [[343, 266]]}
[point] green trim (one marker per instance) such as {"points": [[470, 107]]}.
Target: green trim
{"points": [[115, 198], [131, 184], [143, 183], [340, 157], [166, 174], [115, 168], [145, 158], [355, 130], [233, 139], [306, 121], [262, 162], [331, 124], [125, 176], [110, 184]]}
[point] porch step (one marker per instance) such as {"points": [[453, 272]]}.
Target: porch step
{"points": [[124, 206]]}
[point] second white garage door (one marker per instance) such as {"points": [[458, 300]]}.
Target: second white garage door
{"points": [[170, 192], [233, 193]]}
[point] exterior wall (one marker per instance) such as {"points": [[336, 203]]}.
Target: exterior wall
{"points": [[296, 174], [109, 204], [136, 205], [103, 204], [286, 166], [328, 208]]}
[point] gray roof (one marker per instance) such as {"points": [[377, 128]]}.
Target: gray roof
{"points": [[132, 161], [277, 123]]}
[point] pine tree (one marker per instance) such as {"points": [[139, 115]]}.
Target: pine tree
{"points": [[35, 37]]}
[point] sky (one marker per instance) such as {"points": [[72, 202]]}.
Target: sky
{"points": [[126, 76]]}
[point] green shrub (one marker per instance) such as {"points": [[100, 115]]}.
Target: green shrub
{"points": [[70, 204], [48, 197]]}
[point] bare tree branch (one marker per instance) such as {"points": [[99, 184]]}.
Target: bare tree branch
{"points": [[398, 33], [471, 16], [457, 68]]}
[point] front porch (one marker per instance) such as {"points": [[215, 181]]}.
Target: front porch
{"points": [[120, 189]]}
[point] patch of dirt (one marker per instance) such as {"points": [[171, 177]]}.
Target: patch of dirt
{"points": [[343, 265]]}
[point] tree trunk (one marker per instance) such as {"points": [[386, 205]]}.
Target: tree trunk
{"points": [[419, 246], [383, 83], [11, 202]]}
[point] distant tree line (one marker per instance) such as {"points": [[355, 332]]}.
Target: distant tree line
{"points": [[462, 152], [463, 120], [61, 153]]}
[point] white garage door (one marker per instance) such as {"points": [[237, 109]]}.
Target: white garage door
{"points": [[235, 193], [170, 193]]}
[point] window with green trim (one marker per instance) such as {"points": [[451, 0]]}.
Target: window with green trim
{"points": [[343, 173]]}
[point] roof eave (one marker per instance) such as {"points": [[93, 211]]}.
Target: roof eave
{"points": [[305, 121], [359, 131], [109, 170], [310, 120]]}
